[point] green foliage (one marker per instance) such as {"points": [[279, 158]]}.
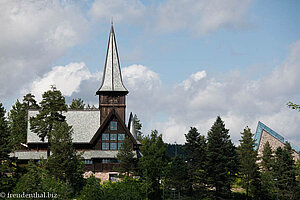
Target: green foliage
{"points": [[195, 149], [293, 106], [138, 127], [176, 175], [52, 106], [285, 172], [221, 163], [153, 163], [248, 167], [37, 179], [18, 120], [267, 158], [77, 104], [64, 163], [92, 189], [127, 189], [126, 158], [6, 168]]}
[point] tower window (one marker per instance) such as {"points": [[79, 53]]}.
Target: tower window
{"points": [[105, 136], [105, 146], [113, 146], [113, 125], [121, 136], [120, 145], [113, 136]]}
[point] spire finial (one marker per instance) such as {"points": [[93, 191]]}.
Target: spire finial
{"points": [[112, 21]]}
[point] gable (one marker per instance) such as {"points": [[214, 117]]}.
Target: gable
{"points": [[264, 134], [106, 127]]}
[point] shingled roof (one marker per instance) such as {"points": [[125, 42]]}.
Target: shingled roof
{"points": [[112, 78], [85, 123]]}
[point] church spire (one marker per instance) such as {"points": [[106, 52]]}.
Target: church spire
{"points": [[112, 78]]}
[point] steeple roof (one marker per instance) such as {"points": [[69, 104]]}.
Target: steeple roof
{"points": [[112, 78]]}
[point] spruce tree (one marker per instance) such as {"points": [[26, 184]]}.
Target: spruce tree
{"points": [[221, 160], [153, 163], [52, 107], [268, 189], [6, 181], [77, 104], [18, 120], [248, 166], [126, 158], [64, 163], [138, 127], [195, 150], [285, 172]]}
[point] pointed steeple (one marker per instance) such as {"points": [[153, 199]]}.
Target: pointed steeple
{"points": [[112, 78]]}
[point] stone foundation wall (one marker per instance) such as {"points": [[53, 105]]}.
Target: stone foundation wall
{"points": [[104, 176]]}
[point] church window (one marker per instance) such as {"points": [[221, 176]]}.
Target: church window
{"points": [[121, 136], [105, 146], [113, 136], [113, 125], [105, 136], [113, 146], [120, 145]]}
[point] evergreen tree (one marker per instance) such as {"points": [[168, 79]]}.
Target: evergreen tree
{"points": [[38, 180], [153, 163], [285, 172], [92, 189], [176, 173], [64, 163], [138, 127], [267, 159], [77, 104], [52, 107], [6, 180], [267, 176], [126, 157], [195, 149], [221, 164], [18, 120], [248, 166]]}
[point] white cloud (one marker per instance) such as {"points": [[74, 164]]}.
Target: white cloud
{"points": [[201, 16], [66, 78], [34, 34], [130, 11]]}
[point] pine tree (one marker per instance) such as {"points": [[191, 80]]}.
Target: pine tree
{"points": [[221, 164], [248, 166], [153, 163], [285, 172], [52, 107], [77, 104], [64, 163], [5, 148], [195, 149], [126, 158]]}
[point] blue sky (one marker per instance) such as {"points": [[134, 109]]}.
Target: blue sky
{"points": [[184, 62]]}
